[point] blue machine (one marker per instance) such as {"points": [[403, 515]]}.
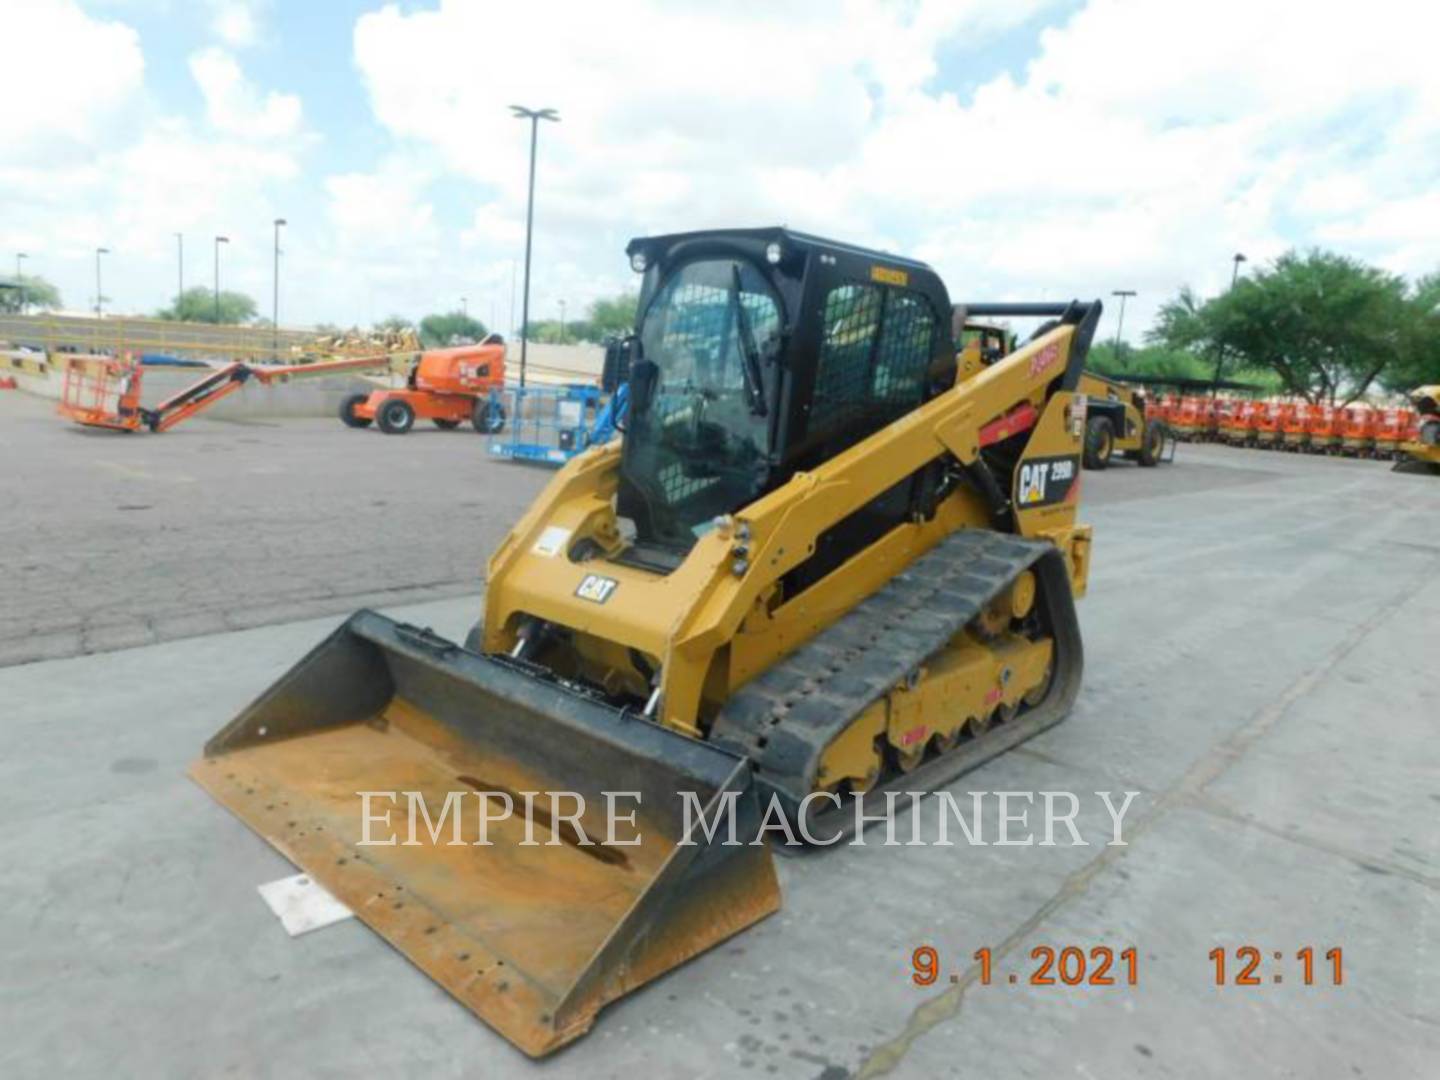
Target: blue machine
{"points": [[612, 415], [551, 424], [162, 360]]}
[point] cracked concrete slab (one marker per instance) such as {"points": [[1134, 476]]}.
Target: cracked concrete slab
{"points": [[112, 540], [1260, 638]]}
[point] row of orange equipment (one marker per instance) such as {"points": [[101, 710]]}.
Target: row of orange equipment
{"points": [[1353, 430]]}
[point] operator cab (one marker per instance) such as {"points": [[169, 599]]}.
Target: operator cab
{"points": [[759, 353]]}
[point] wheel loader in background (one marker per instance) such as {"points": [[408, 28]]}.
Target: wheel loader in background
{"points": [[816, 568], [1422, 453], [1120, 418], [1117, 422]]}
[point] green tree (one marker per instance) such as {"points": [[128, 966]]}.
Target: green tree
{"points": [[1419, 361], [606, 317], [1178, 324], [35, 292], [613, 316], [550, 332], [1327, 325], [1159, 361], [452, 328], [198, 305], [1164, 362]]}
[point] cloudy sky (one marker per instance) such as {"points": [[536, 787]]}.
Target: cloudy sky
{"points": [[1029, 149]]}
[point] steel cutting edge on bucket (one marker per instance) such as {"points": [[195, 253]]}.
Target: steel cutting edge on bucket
{"points": [[533, 937]]}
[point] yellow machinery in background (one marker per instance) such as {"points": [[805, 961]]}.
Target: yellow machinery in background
{"points": [[816, 568], [1422, 454], [1118, 424], [1117, 414]]}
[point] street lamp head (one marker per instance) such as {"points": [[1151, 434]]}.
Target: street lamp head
{"points": [[222, 239], [102, 251], [281, 221], [1122, 292], [523, 113], [1239, 258]]}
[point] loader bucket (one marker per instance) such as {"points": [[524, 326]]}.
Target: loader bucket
{"points": [[534, 934], [1417, 466]]}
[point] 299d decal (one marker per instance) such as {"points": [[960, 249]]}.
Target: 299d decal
{"points": [[1045, 481]]}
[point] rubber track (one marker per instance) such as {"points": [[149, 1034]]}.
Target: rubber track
{"points": [[784, 718]]}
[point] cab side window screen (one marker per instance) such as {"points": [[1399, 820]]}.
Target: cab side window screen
{"points": [[873, 356]]}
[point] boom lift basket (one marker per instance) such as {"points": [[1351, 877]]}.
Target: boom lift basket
{"points": [[102, 391], [532, 937]]}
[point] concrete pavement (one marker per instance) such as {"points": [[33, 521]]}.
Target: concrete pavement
{"points": [[1260, 635], [110, 540]]}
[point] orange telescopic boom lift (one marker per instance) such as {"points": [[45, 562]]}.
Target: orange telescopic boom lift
{"points": [[104, 391]]}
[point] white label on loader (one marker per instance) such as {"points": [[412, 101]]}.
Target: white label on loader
{"points": [[552, 541]]}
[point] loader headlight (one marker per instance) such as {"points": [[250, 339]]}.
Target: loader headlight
{"points": [[773, 253], [639, 262]]}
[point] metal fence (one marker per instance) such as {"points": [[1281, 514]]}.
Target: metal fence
{"points": [[78, 333]]}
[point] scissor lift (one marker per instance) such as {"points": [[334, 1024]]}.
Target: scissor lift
{"points": [[548, 424]]}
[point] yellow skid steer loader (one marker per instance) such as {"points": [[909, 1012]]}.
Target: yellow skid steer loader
{"points": [[1422, 453], [815, 568]]}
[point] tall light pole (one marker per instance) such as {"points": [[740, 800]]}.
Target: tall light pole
{"points": [[562, 322], [275, 299], [99, 293], [1122, 294], [534, 116], [512, 298], [218, 241], [465, 307], [179, 271], [1236, 259], [20, 278]]}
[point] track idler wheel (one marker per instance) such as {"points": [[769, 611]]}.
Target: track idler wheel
{"points": [[1036, 694]]}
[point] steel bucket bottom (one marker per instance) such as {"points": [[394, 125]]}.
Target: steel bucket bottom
{"points": [[535, 931]]}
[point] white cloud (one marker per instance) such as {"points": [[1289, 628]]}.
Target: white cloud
{"points": [[235, 106], [1143, 146], [66, 75], [92, 159], [235, 22], [383, 214]]}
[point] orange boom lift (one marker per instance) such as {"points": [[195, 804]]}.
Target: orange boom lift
{"points": [[104, 391], [446, 386]]}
